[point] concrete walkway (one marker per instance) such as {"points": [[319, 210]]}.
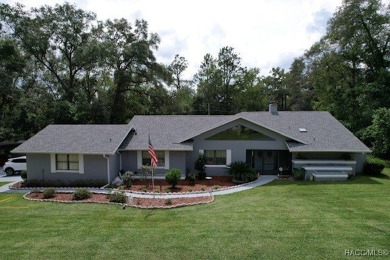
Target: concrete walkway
{"points": [[4, 178], [264, 179]]}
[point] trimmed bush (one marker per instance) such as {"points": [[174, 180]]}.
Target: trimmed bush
{"points": [[242, 172], [49, 193], [373, 168], [191, 178], [23, 175], [81, 194], [173, 176], [201, 175], [118, 197], [200, 167], [127, 179], [299, 174]]}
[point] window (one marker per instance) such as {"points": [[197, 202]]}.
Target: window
{"points": [[19, 161], [240, 132], [67, 162], [160, 157], [215, 157]]}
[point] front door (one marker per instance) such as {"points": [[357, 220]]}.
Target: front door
{"points": [[269, 162]]}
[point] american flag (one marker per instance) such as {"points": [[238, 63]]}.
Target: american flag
{"points": [[153, 155]]}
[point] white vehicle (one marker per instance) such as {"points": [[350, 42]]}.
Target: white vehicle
{"points": [[15, 165]]}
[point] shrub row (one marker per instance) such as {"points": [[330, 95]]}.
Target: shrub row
{"points": [[373, 168], [82, 194], [60, 183]]}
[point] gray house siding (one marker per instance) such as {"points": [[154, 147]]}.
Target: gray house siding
{"points": [[114, 166], [177, 159], [129, 161], [38, 168], [238, 148], [360, 159]]}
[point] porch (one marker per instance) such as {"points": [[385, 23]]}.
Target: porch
{"points": [[268, 162]]}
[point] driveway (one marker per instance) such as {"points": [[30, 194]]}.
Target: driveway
{"points": [[5, 178]]}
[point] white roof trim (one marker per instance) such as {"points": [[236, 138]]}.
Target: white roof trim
{"points": [[246, 119]]}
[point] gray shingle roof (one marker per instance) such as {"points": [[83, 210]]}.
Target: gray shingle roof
{"points": [[84, 139], [324, 132], [168, 132]]}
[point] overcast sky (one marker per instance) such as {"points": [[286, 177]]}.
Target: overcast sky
{"points": [[265, 33]]}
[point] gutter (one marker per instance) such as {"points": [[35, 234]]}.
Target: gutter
{"points": [[108, 168]]}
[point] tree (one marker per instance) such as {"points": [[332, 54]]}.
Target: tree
{"points": [[60, 40], [207, 79], [128, 55], [177, 67], [378, 133], [276, 87]]}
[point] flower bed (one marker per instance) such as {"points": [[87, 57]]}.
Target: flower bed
{"points": [[66, 197]]}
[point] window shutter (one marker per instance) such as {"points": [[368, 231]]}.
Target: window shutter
{"points": [[81, 164], [228, 157], [139, 159], [166, 160], [52, 163]]}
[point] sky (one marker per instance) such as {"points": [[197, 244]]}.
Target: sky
{"points": [[265, 33]]}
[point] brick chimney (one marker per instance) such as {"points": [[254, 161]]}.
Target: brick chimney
{"points": [[273, 108]]}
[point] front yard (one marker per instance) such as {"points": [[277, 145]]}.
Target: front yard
{"points": [[280, 220]]}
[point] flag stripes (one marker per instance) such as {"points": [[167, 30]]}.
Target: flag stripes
{"points": [[153, 155]]}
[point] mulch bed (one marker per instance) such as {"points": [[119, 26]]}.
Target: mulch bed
{"points": [[136, 202], [183, 185], [170, 202]]}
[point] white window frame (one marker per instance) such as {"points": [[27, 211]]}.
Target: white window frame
{"points": [[228, 159], [139, 160], [53, 167]]}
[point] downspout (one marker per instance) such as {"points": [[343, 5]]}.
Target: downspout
{"points": [[120, 160], [108, 168]]}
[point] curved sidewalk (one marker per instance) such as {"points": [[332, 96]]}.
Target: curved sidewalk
{"points": [[264, 179]]}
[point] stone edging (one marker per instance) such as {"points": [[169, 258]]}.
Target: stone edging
{"points": [[188, 192], [172, 206], [116, 203], [72, 201]]}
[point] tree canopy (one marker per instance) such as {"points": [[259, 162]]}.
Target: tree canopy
{"points": [[60, 64]]}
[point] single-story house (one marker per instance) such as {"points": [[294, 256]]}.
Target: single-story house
{"points": [[271, 142]]}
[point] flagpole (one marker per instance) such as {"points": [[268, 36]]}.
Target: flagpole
{"points": [[153, 179]]}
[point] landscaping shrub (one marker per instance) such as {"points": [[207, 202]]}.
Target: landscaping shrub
{"points": [[23, 175], [118, 197], [48, 193], [35, 190], [200, 167], [299, 174], [201, 175], [81, 194], [373, 168], [191, 178], [127, 179], [242, 172], [173, 176], [200, 163]]}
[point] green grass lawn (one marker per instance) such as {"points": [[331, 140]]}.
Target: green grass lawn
{"points": [[282, 220], [3, 183]]}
